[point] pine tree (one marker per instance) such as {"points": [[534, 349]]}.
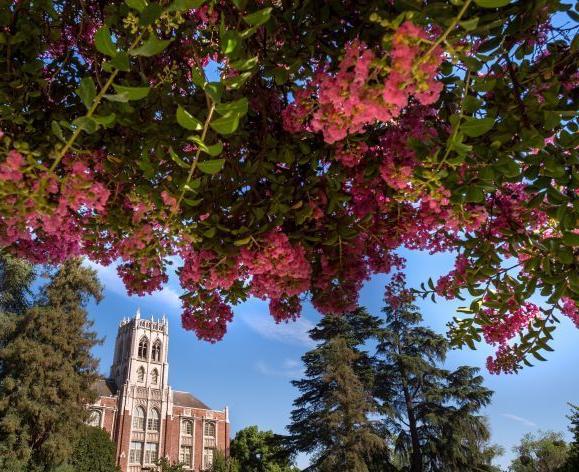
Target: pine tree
{"points": [[48, 371], [572, 462], [16, 277], [331, 417], [431, 412]]}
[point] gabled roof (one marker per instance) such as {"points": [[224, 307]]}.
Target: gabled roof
{"points": [[188, 400], [105, 387]]}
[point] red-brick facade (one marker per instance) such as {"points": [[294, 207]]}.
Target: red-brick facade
{"points": [[145, 417]]}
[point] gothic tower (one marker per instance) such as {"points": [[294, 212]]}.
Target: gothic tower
{"points": [[145, 417], [141, 372]]}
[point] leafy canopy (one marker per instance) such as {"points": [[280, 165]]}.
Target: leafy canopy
{"points": [[338, 132]]}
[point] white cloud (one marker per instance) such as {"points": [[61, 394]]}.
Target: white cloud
{"points": [[167, 297], [519, 419], [292, 332], [290, 368]]}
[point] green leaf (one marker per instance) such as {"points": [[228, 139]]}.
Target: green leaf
{"points": [[214, 90], [492, 3], [245, 64], [86, 91], [226, 124], [87, 124], [237, 81], [229, 41], [215, 149], [138, 5], [471, 24], [121, 61], [180, 162], [212, 166], [150, 47], [150, 14], [119, 97], [242, 242], [259, 17], [104, 42], [474, 127], [238, 106], [57, 130], [187, 120], [132, 93], [106, 120], [240, 4], [184, 5], [475, 194], [571, 239]]}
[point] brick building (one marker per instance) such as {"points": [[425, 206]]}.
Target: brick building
{"points": [[145, 417]]}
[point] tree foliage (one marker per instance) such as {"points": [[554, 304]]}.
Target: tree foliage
{"points": [[572, 461], [432, 413], [253, 450], [47, 372], [337, 133], [331, 416], [543, 452], [94, 451]]}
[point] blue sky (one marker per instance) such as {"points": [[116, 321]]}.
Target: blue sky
{"points": [[250, 370]]}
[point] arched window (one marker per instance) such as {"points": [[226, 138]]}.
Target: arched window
{"points": [[154, 421], [141, 374], [143, 347], [156, 351], [95, 418], [139, 418], [209, 429], [188, 427], [155, 376]]}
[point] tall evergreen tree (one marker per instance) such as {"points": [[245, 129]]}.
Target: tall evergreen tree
{"points": [[431, 412], [48, 371], [331, 417], [16, 277], [572, 462]]}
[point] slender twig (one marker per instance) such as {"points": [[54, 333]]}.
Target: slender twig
{"points": [[196, 158]]}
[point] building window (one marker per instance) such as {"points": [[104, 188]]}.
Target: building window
{"points": [[209, 430], [155, 376], [141, 374], [143, 348], [136, 452], [154, 422], [207, 458], [139, 419], [156, 351], [186, 455], [95, 418], [188, 427], [151, 453]]}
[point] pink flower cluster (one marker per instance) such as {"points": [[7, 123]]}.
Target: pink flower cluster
{"points": [[448, 285], [47, 228], [278, 267], [570, 309], [505, 361], [11, 168], [208, 319], [506, 326], [206, 268], [350, 154], [365, 90]]}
